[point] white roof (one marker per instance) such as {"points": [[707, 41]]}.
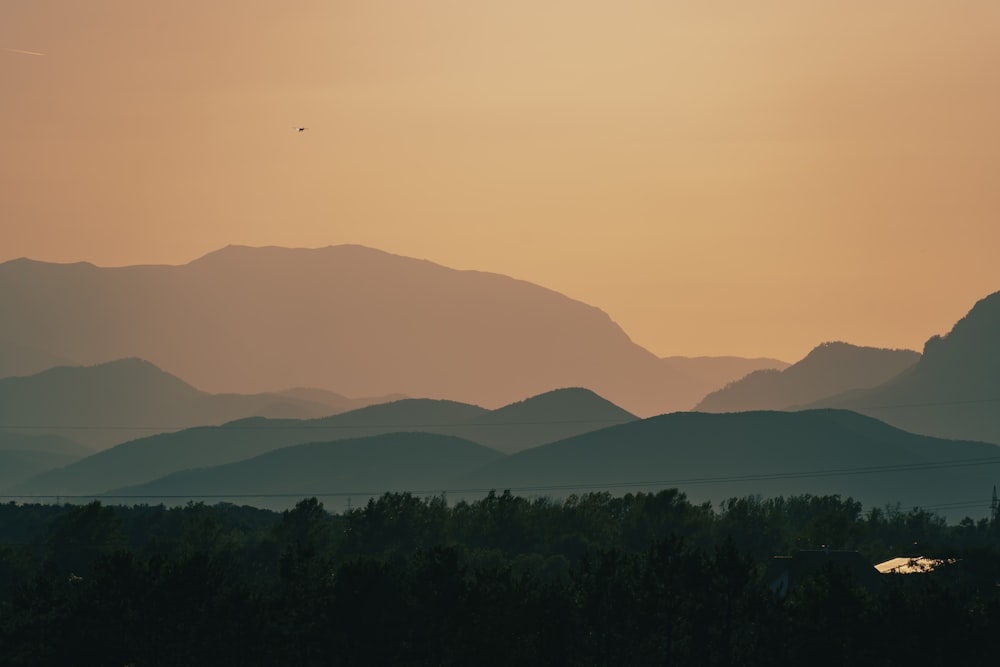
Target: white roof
{"points": [[911, 565]]}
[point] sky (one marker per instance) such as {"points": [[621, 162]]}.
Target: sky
{"points": [[719, 177]]}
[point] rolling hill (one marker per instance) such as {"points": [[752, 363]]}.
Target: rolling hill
{"points": [[829, 369], [21, 359], [716, 456], [110, 403], [357, 467], [23, 456], [547, 417], [344, 318], [710, 457]]}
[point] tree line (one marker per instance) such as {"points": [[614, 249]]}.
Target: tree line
{"points": [[595, 579]]}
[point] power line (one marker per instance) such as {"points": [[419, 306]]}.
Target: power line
{"points": [[230, 426], [233, 426], [927, 405], [755, 477]]}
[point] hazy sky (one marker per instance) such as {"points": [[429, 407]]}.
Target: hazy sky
{"points": [[723, 177]]}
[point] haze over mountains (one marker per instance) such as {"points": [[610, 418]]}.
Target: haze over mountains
{"points": [[829, 369], [373, 324], [952, 391], [358, 467], [349, 319], [17, 359], [110, 403], [24, 456], [709, 457], [716, 456], [551, 416]]}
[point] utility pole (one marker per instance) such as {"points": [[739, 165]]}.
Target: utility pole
{"points": [[994, 508]]}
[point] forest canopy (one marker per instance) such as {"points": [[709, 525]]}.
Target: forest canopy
{"points": [[593, 579]]}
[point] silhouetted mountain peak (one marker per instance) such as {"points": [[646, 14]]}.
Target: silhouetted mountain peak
{"points": [[243, 255], [22, 262], [117, 375], [952, 391], [838, 351], [973, 344], [829, 369], [412, 412], [369, 321], [570, 403]]}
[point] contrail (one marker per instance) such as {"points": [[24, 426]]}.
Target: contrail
{"points": [[21, 51]]}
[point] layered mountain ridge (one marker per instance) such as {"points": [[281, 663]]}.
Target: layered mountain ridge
{"points": [[829, 369], [535, 421], [349, 319], [106, 404], [710, 457], [954, 389]]}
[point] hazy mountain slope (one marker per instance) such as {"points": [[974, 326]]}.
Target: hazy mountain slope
{"points": [[712, 373], [829, 369], [21, 359], [109, 403], [23, 456], [56, 444], [752, 453], [146, 459], [953, 391], [18, 465], [333, 402], [359, 467], [544, 418], [532, 422], [345, 318]]}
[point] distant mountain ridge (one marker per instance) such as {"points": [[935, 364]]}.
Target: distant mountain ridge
{"points": [[23, 456], [529, 423], [713, 373], [358, 467], [953, 391], [710, 457], [344, 318], [109, 403], [18, 359], [769, 453], [829, 369]]}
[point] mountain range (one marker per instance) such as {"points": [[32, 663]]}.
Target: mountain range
{"points": [[952, 391], [829, 369], [355, 467], [23, 456], [708, 456], [82, 349], [349, 319], [114, 402], [544, 418]]}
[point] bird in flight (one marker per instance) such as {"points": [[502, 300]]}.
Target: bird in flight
{"points": [[301, 129]]}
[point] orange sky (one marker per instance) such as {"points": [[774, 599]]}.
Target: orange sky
{"points": [[720, 177]]}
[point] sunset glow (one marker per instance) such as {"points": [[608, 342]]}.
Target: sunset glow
{"points": [[722, 178]]}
